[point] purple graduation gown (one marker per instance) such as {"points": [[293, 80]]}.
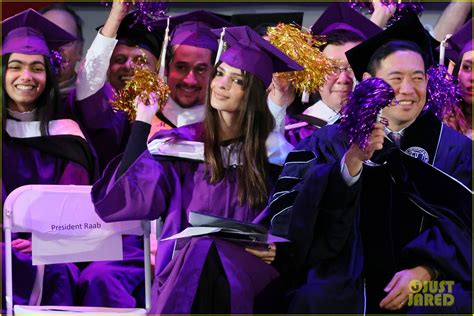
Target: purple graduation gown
{"points": [[109, 283], [35, 160], [155, 186], [106, 128]]}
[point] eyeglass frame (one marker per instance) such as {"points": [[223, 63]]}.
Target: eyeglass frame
{"points": [[337, 71]]}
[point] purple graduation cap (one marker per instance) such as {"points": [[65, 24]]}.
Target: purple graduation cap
{"points": [[408, 28], [340, 16], [193, 29], [248, 51], [460, 42], [30, 33]]}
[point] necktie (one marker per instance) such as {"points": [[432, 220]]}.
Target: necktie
{"points": [[395, 137]]}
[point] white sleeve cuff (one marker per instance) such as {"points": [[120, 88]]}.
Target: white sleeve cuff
{"points": [[92, 73], [348, 179], [279, 113]]}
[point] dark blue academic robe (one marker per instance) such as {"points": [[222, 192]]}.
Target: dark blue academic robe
{"points": [[350, 241]]}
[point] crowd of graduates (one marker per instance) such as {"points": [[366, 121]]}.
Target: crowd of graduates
{"points": [[362, 219]]}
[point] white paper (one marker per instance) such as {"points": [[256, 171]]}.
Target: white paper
{"points": [[194, 231], [199, 231], [79, 249]]}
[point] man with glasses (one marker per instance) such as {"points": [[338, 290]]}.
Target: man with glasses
{"points": [[344, 29], [373, 226]]}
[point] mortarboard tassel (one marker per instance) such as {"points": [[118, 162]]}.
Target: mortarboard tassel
{"points": [[305, 97], [221, 46], [161, 72], [442, 48]]}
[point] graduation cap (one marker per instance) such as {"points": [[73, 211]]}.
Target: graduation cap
{"points": [[134, 33], [340, 16], [193, 29], [261, 21], [248, 51], [408, 28], [460, 42], [30, 33]]}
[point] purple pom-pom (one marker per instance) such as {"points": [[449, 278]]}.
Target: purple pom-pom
{"points": [[361, 111], [146, 13], [56, 60], [402, 8], [443, 91]]}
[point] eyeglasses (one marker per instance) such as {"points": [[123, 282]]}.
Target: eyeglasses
{"points": [[336, 71]]}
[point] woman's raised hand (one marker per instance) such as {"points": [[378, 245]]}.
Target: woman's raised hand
{"points": [[147, 106], [117, 13]]}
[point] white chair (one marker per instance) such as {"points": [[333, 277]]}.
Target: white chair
{"points": [[43, 210]]}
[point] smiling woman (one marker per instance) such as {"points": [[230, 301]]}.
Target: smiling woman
{"points": [[29, 86], [33, 130], [25, 80], [227, 88], [29, 83], [225, 167]]}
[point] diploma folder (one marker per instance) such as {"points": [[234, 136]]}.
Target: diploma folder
{"points": [[242, 233]]}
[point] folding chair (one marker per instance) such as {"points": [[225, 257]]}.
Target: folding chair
{"points": [[43, 210]]}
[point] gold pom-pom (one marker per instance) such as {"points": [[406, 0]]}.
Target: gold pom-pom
{"points": [[302, 47], [143, 82]]}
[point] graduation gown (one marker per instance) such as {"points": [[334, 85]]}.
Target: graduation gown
{"points": [[107, 129], [352, 240], [29, 158], [109, 283], [120, 283], [170, 184]]}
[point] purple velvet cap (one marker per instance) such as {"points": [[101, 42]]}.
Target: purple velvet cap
{"points": [[248, 51], [340, 16], [460, 42], [194, 29], [30, 33]]}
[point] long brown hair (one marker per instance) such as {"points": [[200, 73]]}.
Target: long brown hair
{"points": [[256, 122]]}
